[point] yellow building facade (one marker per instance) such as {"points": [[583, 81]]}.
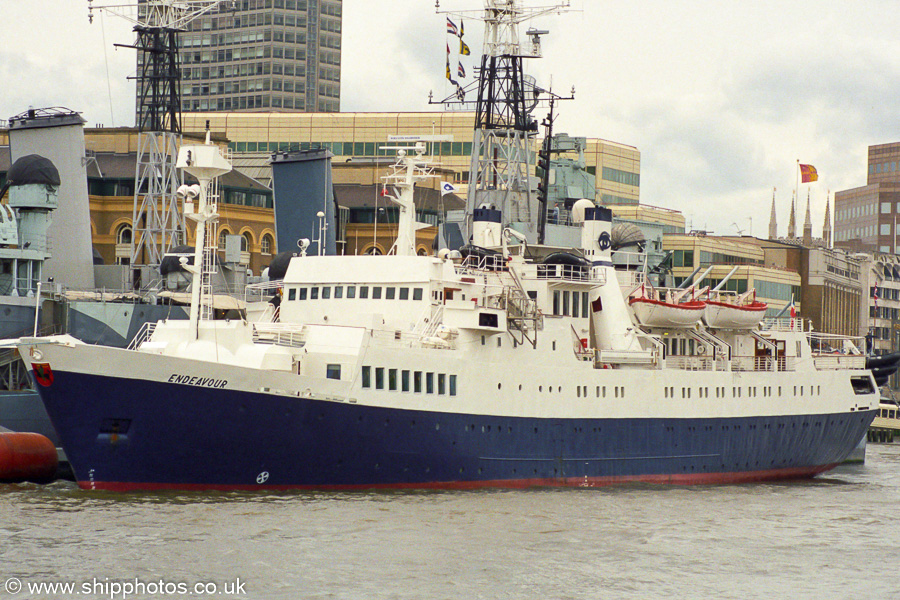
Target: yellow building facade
{"points": [[253, 137], [776, 285]]}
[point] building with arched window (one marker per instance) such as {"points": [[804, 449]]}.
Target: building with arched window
{"points": [[245, 204]]}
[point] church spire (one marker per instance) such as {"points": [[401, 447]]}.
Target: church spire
{"points": [[773, 221], [792, 223], [807, 224], [826, 228]]}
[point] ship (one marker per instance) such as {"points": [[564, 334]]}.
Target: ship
{"points": [[497, 365]]}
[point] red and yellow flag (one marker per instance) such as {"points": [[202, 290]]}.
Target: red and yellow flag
{"points": [[808, 173]]}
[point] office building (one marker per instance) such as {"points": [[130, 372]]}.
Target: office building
{"points": [[265, 55], [866, 218], [254, 137]]}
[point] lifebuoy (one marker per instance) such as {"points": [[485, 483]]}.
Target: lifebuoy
{"points": [[701, 349]]}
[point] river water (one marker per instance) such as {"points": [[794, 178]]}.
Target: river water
{"points": [[837, 536]]}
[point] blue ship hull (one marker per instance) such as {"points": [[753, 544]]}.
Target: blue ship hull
{"points": [[125, 434]]}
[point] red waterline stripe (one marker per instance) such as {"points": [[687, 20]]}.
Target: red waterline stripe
{"points": [[673, 479]]}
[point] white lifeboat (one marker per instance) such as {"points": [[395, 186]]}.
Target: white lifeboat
{"points": [[657, 313], [734, 312]]}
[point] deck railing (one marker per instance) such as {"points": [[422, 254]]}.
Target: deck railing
{"points": [[143, 334], [829, 362], [280, 334]]}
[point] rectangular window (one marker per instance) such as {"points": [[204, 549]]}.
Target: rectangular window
{"points": [[303, 292], [338, 291], [404, 380], [333, 372], [404, 293], [351, 291], [363, 291], [442, 381], [555, 302], [379, 378], [576, 303], [314, 293], [326, 293], [565, 303], [429, 383], [453, 385], [584, 305], [417, 293], [376, 292], [292, 294], [417, 382], [487, 320], [390, 293], [367, 377], [392, 380]]}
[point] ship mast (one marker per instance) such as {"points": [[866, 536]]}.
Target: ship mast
{"points": [[501, 163], [205, 162], [157, 221], [403, 177]]}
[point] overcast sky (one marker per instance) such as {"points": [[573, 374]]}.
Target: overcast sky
{"points": [[720, 97]]}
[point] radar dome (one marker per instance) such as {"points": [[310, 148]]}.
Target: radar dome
{"points": [[578, 209]]}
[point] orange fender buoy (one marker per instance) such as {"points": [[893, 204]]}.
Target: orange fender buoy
{"points": [[27, 457]]}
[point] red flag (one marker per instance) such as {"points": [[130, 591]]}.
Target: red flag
{"points": [[808, 173]]}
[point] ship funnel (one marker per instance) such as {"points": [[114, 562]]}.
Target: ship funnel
{"points": [[596, 239], [486, 227]]}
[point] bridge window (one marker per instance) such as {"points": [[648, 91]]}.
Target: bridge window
{"points": [[333, 372]]}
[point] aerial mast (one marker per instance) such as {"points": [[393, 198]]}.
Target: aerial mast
{"points": [[501, 165], [157, 221]]}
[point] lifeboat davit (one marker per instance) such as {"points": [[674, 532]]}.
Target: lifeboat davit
{"points": [[27, 457], [727, 315], [656, 313]]}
